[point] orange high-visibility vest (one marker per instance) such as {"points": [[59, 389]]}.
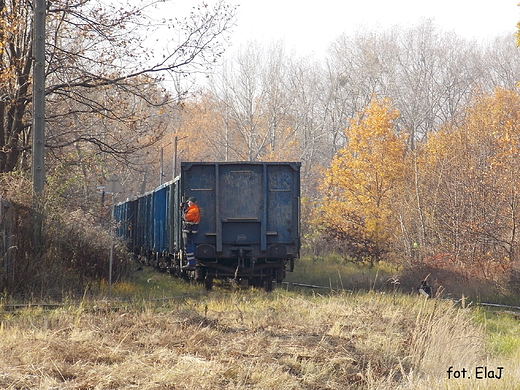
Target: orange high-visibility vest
{"points": [[193, 214]]}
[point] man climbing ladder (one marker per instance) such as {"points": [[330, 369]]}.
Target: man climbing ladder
{"points": [[190, 228]]}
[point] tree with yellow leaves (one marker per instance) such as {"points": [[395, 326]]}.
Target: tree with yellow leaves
{"points": [[362, 180], [474, 205]]}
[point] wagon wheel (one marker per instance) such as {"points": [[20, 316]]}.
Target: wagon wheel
{"points": [[200, 274], [279, 274], [175, 267], [268, 286], [208, 282], [255, 282]]}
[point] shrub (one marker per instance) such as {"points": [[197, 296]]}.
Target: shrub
{"points": [[73, 252]]}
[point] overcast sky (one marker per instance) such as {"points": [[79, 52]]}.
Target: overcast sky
{"points": [[310, 26]]}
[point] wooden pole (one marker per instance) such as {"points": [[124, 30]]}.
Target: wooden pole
{"points": [[38, 167], [174, 157], [38, 125]]}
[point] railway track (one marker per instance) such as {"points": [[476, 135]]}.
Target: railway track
{"points": [[112, 304]]}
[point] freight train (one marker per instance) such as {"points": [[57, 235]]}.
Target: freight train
{"points": [[249, 230]]}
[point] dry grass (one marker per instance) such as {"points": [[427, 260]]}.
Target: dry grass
{"points": [[247, 339], [337, 274]]}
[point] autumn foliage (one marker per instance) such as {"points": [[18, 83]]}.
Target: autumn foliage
{"points": [[360, 185], [472, 202], [448, 200], [408, 153], [451, 203]]}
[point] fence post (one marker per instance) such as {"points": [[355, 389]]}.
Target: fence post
{"points": [[6, 242]]}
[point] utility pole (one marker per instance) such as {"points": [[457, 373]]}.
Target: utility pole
{"points": [[38, 124], [38, 148], [114, 187], [174, 157], [161, 171], [175, 141]]}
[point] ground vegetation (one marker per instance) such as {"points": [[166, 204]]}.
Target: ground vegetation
{"points": [[176, 337]]}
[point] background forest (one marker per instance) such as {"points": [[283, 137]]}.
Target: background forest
{"points": [[408, 137], [408, 140]]}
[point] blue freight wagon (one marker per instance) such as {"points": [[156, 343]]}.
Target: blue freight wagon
{"points": [[249, 228]]}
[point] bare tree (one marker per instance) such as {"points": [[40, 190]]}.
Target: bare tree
{"points": [[428, 74], [501, 63], [310, 108], [240, 92], [95, 57]]}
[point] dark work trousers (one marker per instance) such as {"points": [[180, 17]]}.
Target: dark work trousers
{"points": [[189, 240]]}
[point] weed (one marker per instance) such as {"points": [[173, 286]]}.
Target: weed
{"points": [[236, 339], [339, 275]]}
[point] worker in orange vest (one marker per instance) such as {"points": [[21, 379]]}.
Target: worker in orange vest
{"points": [[189, 229]]}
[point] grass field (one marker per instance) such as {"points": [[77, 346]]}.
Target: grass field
{"points": [[158, 333], [338, 275]]}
